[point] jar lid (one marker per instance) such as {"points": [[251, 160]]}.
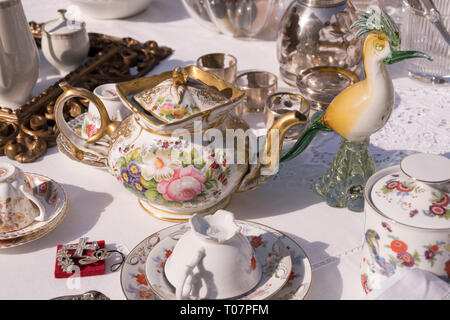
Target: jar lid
{"points": [[416, 192], [62, 26]]}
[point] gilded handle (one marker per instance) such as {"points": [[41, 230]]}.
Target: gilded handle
{"points": [[275, 137], [80, 145], [270, 159]]}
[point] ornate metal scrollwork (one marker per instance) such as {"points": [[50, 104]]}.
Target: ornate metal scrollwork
{"points": [[28, 131]]}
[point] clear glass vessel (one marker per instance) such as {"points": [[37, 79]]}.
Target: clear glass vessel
{"points": [[317, 33], [419, 33], [246, 19]]}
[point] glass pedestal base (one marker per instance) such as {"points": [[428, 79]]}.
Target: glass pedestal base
{"points": [[343, 183]]}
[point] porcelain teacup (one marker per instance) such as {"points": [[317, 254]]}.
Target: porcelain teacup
{"points": [[18, 206], [116, 110], [213, 260]]}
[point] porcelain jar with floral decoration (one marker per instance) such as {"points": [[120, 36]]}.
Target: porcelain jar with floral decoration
{"points": [[407, 220]]}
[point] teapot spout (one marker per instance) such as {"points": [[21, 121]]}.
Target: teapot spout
{"points": [[275, 137]]}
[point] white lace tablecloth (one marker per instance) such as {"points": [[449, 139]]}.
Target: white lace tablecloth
{"points": [[102, 210]]}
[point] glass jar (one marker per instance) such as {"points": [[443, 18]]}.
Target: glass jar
{"points": [[418, 33], [317, 33]]}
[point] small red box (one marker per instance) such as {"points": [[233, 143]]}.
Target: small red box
{"points": [[93, 269]]}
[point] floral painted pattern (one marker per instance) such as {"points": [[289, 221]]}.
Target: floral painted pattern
{"points": [[262, 291], [169, 175], [160, 261], [141, 288], [393, 185], [141, 279], [253, 262], [402, 257], [439, 206], [386, 226], [364, 283], [256, 241], [165, 108], [432, 251], [439, 203]]}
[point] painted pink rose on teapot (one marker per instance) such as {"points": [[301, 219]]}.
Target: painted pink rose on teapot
{"points": [[185, 184]]}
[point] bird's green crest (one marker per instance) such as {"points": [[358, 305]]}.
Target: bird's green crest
{"points": [[376, 19]]}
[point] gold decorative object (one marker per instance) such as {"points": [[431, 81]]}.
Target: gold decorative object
{"points": [[27, 132]]}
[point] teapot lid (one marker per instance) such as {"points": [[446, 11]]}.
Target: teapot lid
{"points": [[62, 26], [182, 97], [416, 193]]}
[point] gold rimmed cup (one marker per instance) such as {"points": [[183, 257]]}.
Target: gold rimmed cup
{"points": [[258, 86], [222, 65], [280, 103]]}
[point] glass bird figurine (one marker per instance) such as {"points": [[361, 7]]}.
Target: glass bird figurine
{"points": [[357, 112]]}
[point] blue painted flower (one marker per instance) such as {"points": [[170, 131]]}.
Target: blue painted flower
{"points": [[125, 175], [137, 185], [134, 169]]}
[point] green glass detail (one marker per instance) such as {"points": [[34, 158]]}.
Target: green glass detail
{"points": [[343, 183], [305, 139], [397, 56], [376, 18]]}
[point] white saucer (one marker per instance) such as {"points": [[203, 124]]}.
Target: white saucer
{"points": [[54, 198], [136, 284]]}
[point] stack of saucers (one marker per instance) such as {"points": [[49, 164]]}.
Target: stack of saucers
{"points": [[31, 206]]}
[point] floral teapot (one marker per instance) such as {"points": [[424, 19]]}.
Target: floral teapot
{"points": [[173, 152]]}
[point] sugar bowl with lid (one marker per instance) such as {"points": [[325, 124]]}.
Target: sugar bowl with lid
{"points": [[65, 43], [18, 205], [213, 259], [407, 220]]}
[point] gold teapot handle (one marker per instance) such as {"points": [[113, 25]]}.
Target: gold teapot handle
{"points": [[270, 159], [80, 145]]}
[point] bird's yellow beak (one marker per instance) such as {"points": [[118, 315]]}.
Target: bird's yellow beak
{"points": [[397, 56]]}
